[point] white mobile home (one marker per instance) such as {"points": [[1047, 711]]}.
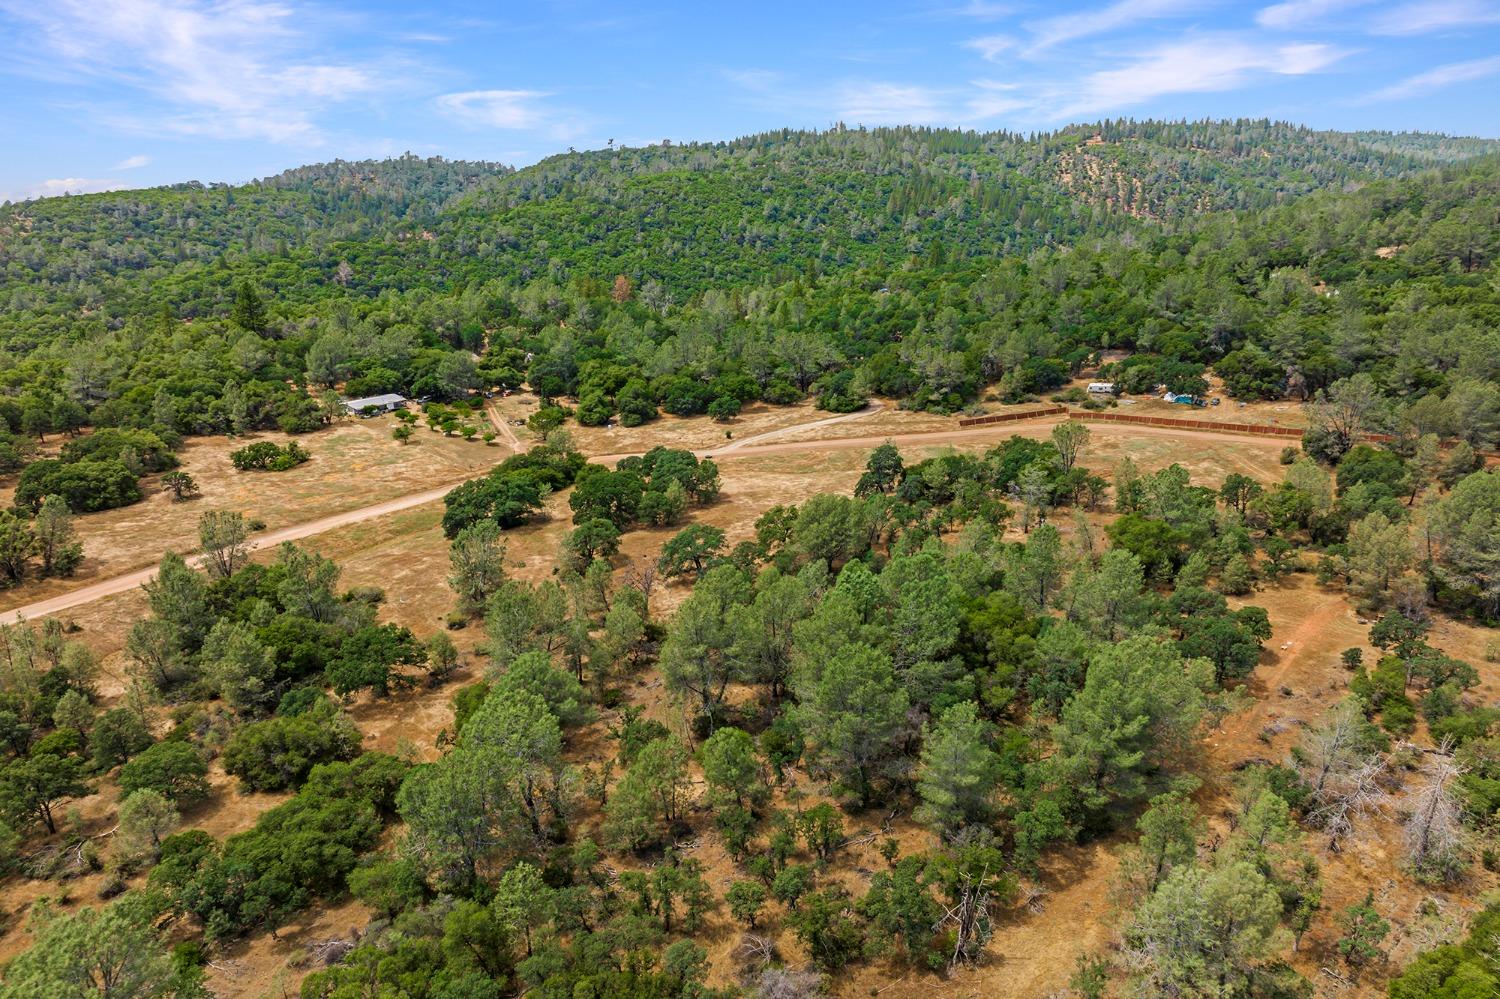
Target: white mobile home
{"points": [[390, 402]]}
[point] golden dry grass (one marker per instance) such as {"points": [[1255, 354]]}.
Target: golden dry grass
{"points": [[1034, 951], [355, 463]]}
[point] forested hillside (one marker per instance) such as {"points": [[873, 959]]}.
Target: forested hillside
{"points": [[763, 208], [912, 263], [735, 706]]}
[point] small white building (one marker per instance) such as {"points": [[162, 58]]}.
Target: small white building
{"points": [[1101, 388], [390, 402]]}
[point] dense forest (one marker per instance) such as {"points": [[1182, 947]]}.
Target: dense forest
{"points": [[1004, 651], [920, 264]]}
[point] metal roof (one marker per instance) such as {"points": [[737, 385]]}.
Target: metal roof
{"points": [[389, 399]]}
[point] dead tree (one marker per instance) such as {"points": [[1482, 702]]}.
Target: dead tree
{"points": [[973, 892], [1434, 830], [1354, 794], [1342, 775]]}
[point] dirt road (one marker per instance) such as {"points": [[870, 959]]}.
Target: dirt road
{"points": [[130, 580], [502, 427], [760, 444], [753, 447], [755, 440], [940, 437]]}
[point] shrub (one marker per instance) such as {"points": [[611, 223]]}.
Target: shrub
{"points": [[367, 657], [116, 444], [296, 851], [118, 735], [172, 768], [280, 752], [266, 456], [86, 486]]}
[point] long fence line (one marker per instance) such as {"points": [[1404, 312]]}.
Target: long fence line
{"points": [[1177, 423], [1181, 424], [1260, 429], [1149, 421], [1030, 414]]}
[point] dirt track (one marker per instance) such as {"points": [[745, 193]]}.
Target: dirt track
{"points": [[942, 437], [503, 428], [749, 447], [754, 441], [130, 580]]}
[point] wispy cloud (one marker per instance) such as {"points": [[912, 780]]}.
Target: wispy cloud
{"points": [[755, 80], [222, 68], [1436, 15], [64, 185], [495, 108], [1435, 79], [867, 102], [1196, 65], [991, 47], [1295, 14], [979, 10], [1120, 14], [132, 162], [853, 101], [510, 109], [991, 98], [870, 102]]}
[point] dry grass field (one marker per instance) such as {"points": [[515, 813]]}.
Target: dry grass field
{"points": [[405, 553], [355, 463]]}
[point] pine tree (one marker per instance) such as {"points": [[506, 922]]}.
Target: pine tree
{"points": [[55, 538], [853, 715], [958, 773], [248, 311]]}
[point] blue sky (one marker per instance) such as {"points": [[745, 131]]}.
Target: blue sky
{"points": [[101, 94]]}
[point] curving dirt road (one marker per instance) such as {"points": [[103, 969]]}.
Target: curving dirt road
{"points": [[130, 580], [754, 446]]}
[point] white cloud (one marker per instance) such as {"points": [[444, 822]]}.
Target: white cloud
{"points": [[64, 185], [1438, 79], [1196, 63], [881, 102], [992, 99], [495, 108], [1192, 66], [1294, 14], [980, 10], [757, 80], [510, 109], [990, 47], [225, 68], [1436, 15], [132, 162], [877, 103], [1120, 14]]}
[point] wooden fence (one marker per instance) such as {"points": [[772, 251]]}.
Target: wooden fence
{"points": [[1030, 414], [1179, 423]]}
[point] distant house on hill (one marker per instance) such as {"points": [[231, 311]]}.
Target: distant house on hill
{"points": [[375, 404]]}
